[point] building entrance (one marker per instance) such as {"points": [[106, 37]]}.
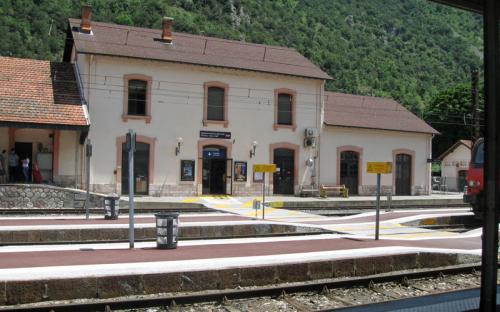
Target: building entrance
{"points": [[403, 174], [141, 169], [283, 178], [215, 171], [349, 171], [23, 150]]}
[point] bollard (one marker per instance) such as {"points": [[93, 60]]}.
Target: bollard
{"points": [[111, 207], [167, 228]]}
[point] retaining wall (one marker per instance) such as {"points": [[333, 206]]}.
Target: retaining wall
{"points": [[45, 196]]}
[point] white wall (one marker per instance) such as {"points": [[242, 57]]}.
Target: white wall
{"points": [[177, 111], [69, 149], [454, 162], [377, 145]]}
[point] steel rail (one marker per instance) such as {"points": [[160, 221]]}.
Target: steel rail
{"points": [[224, 295]]}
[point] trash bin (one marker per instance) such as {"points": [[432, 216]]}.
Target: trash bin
{"points": [[111, 207], [167, 228]]}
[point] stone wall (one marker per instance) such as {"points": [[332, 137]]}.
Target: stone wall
{"points": [[45, 196]]}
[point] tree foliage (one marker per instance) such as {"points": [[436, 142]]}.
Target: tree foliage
{"points": [[450, 112], [404, 49]]}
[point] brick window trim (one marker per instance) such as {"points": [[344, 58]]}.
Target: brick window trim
{"points": [[221, 85], [293, 93], [125, 116]]}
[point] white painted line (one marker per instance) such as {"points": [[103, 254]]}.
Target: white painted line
{"points": [[116, 269]]}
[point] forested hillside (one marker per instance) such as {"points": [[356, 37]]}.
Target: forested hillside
{"points": [[405, 49]]}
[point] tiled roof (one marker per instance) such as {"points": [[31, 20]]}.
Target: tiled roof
{"points": [[39, 92], [126, 41], [349, 110]]}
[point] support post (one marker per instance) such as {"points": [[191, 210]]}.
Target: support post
{"points": [[88, 154], [131, 150], [377, 213], [491, 168], [263, 195]]}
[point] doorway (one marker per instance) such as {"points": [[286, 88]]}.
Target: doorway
{"points": [[141, 169], [214, 170], [283, 178], [462, 181], [403, 174], [23, 150], [349, 171]]}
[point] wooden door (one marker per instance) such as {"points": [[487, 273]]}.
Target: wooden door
{"points": [[403, 174], [349, 171]]}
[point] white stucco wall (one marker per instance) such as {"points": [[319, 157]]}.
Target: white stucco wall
{"points": [[376, 145], [177, 111], [453, 163], [69, 149]]}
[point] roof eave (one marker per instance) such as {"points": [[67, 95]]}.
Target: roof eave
{"points": [[35, 125], [327, 77], [372, 128]]}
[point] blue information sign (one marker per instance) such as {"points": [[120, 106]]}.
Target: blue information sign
{"points": [[214, 154]]}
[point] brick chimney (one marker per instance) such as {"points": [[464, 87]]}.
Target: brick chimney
{"points": [[86, 18], [166, 34]]}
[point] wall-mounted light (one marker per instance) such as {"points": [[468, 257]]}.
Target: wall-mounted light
{"points": [[252, 151], [178, 147]]}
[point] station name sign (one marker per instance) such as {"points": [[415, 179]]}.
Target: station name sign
{"points": [[215, 134], [379, 167]]}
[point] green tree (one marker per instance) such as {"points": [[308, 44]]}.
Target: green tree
{"points": [[450, 112]]}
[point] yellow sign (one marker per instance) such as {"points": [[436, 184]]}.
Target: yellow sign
{"points": [[379, 167], [264, 168]]}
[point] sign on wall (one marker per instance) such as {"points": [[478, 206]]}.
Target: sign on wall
{"points": [[379, 167], [215, 134], [240, 171], [264, 168], [187, 170]]}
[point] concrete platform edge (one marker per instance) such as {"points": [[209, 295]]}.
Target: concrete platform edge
{"points": [[22, 292]]}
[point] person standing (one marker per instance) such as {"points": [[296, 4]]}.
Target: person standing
{"points": [[26, 168], [3, 168], [13, 163]]}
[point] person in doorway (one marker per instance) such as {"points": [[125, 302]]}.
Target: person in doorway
{"points": [[3, 168], [13, 163], [26, 168]]}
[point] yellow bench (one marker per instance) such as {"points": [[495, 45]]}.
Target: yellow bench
{"points": [[340, 189]]}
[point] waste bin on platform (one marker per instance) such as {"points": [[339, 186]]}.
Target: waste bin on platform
{"points": [[111, 207], [167, 228]]}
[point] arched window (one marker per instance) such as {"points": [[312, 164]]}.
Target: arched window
{"points": [[285, 116], [215, 109], [215, 105], [137, 97], [137, 94], [284, 109]]}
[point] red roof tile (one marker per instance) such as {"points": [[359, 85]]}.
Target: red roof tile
{"points": [[39, 92], [347, 110], [118, 40]]}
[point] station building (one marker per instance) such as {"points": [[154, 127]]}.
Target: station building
{"points": [[360, 129], [454, 166], [206, 109]]}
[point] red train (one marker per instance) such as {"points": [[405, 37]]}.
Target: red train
{"points": [[474, 193]]}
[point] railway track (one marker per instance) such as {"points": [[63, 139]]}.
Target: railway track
{"points": [[303, 297]]}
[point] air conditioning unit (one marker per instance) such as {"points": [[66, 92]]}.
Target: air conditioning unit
{"points": [[310, 136]]}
